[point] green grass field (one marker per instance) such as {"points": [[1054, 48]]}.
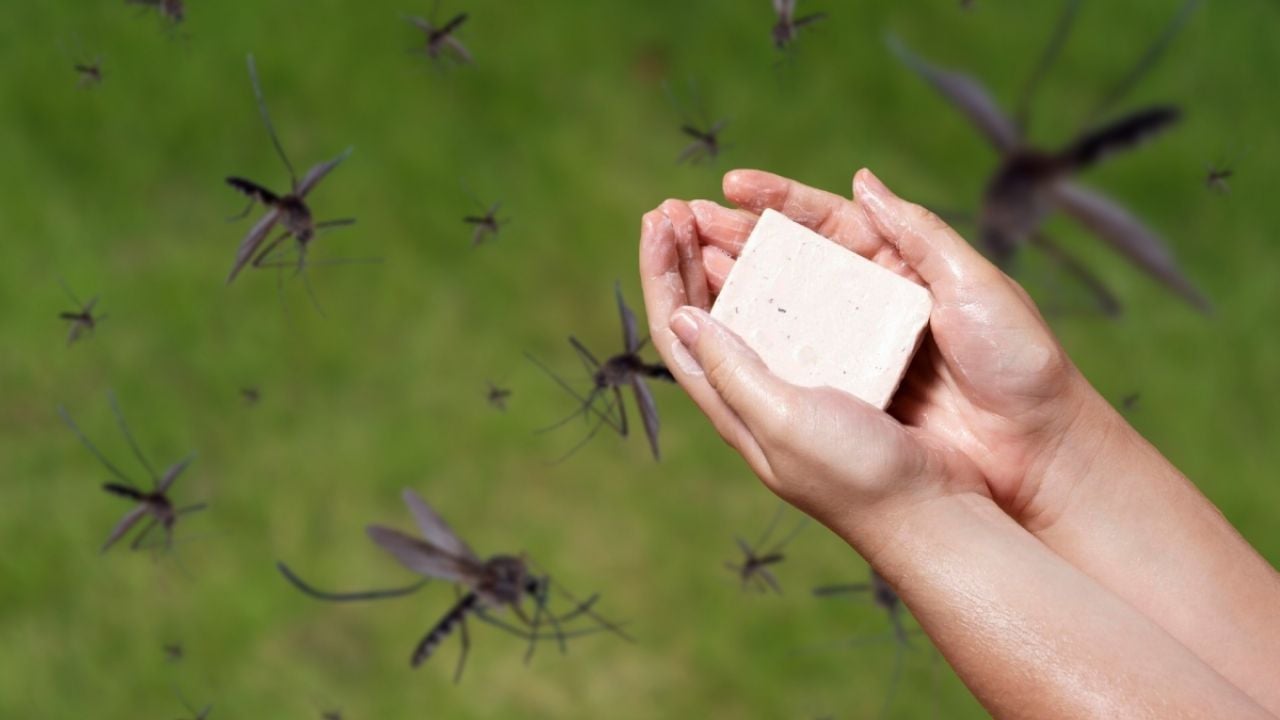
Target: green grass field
{"points": [[119, 190]]}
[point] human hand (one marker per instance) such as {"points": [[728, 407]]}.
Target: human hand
{"points": [[985, 407]]}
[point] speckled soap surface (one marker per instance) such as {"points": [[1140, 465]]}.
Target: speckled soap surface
{"points": [[819, 314]]}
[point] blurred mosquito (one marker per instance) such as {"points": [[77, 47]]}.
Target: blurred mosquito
{"points": [[620, 370], [498, 397], [754, 570], [290, 210], [501, 582], [788, 26], [886, 599], [153, 503], [1216, 178], [697, 126], [82, 320], [250, 395], [90, 73], [487, 225], [171, 11], [173, 652], [1030, 183], [441, 43]]}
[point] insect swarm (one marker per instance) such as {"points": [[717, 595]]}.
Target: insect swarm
{"points": [[501, 582], [626, 368], [1030, 184], [153, 503]]}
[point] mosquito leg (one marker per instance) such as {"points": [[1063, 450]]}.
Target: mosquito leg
{"points": [[270, 248], [533, 627], [464, 638], [308, 589], [244, 213], [133, 444], [142, 534], [192, 508]]}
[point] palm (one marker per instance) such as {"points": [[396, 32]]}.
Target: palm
{"points": [[990, 381]]}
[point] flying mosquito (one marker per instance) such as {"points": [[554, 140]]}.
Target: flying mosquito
{"points": [[250, 395], [154, 502], [501, 582], [290, 210], [441, 42], [1216, 179], [886, 599], [172, 11], [81, 320], [754, 570], [498, 397], [90, 73], [487, 225], [788, 26], [618, 371], [1031, 183], [704, 134], [173, 652]]}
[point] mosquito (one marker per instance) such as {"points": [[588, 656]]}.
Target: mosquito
{"points": [[250, 395], [1030, 183], [754, 570], [172, 11], [501, 582], [154, 503], [886, 599], [1216, 179], [498, 397], [82, 320], [704, 134], [441, 42], [290, 210], [173, 652], [487, 225], [608, 379], [788, 26], [90, 73]]}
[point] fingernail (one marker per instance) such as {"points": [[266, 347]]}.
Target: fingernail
{"points": [[685, 360], [685, 325]]}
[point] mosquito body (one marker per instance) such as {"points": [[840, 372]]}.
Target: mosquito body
{"points": [[154, 504], [754, 570], [172, 11], [441, 42], [82, 320], [289, 210], [624, 369], [1030, 184], [501, 582], [498, 397], [173, 652], [788, 26]]}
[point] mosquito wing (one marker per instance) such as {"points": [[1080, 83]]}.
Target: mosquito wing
{"points": [[966, 93], [435, 529], [648, 412], [1120, 229], [172, 473], [421, 23], [809, 20], [77, 326], [317, 173], [630, 339], [249, 246], [422, 557], [784, 9], [125, 525], [459, 49]]}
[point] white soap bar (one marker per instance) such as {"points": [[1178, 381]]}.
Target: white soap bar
{"points": [[819, 314]]}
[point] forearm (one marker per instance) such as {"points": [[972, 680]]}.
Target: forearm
{"points": [[1032, 636], [1126, 517]]}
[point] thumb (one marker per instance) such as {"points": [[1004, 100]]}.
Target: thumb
{"points": [[762, 400]]}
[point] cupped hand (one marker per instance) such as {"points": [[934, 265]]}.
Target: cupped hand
{"points": [[988, 405]]}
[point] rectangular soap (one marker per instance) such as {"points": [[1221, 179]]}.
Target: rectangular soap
{"points": [[819, 314]]}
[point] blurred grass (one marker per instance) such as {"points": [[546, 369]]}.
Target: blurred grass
{"points": [[119, 190]]}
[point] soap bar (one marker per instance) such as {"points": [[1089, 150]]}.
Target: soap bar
{"points": [[819, 314]]}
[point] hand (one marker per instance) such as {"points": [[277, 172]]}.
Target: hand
{"points": [[985, 406]]}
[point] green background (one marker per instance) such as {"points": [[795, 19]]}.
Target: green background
{"points": [[119, 189]]}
